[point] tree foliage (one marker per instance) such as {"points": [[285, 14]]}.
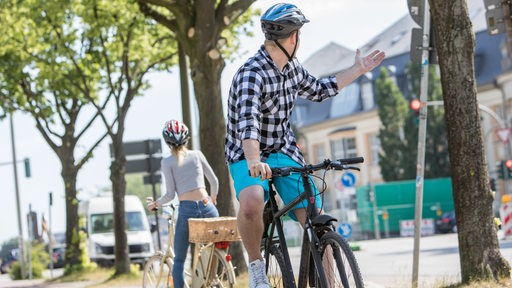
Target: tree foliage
{"points": [[62, 58], [479, 249], [392, 113], [399, 132], [207, 30]]}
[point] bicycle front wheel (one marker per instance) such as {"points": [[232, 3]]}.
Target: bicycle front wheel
{"points": [[276, 268], [339, 263], [157, 273], [221, 272]]}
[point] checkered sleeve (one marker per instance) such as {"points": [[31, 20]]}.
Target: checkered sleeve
{"points": [[249, 115], [315, 89]]}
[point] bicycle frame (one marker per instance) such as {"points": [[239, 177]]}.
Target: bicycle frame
{"points": [[313, 218], [203, 259], [311, 212]]}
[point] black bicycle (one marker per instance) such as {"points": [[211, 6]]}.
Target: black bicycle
{"points": [[326, 258]]}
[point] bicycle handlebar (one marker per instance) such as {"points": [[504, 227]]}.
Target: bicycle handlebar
{"points": [[327, 164]]}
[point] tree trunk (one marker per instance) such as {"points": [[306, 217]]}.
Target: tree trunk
{"points": [[206, 74], [69, 175], [117, 173], [479, 251], [185, 91]]}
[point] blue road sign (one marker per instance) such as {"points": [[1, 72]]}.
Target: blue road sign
{"points": [[345, 229], [348, 179]]}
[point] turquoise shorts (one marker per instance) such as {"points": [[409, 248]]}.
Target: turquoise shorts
{"points": [[288, 187]]}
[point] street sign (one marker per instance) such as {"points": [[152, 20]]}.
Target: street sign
{"points": [[345, 229], [416, 9], [503, 134], [157, 178], [142, 165], [153, 146], [348, 179]]}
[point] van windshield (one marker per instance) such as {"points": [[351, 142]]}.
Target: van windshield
{"points": [[104, 223]]}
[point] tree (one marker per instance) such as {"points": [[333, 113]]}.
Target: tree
{"points": [[40, 75], [127, 47], [202, 29], [479, 248], [59, 58], [392, 113], [437, 161], [399, 132]]}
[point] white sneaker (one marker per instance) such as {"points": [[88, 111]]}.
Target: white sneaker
{"points": [[257, 276]]}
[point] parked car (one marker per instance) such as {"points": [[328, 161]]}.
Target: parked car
{"points": [[446, 223], [58, 256], [7, 262]]}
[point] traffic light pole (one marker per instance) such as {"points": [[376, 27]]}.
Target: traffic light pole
{"points": [[21, 243], [422, 132]]}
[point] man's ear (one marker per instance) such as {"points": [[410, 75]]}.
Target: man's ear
{"points": [[293, 38]]}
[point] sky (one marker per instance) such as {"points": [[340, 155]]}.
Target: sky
{"points": [[350, 23]]}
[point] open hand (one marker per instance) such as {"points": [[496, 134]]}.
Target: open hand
{"points": [[369, 62]]}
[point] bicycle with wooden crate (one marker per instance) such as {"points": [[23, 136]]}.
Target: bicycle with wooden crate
{"points": [[326, 258], [212, 266]]}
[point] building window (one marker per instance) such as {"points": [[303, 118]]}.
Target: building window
{"points": [[347, 101], [367, 96], [319, 152], [343, 148], [299, 114], [374, 149]]}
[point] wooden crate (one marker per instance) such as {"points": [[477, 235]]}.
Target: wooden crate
{"points": [[216, 229]]}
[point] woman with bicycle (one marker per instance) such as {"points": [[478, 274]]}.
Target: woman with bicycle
{"points": [[259, 136], [184, 173]]}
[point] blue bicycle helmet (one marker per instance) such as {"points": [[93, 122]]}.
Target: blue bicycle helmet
{"points": [[280, 20]]}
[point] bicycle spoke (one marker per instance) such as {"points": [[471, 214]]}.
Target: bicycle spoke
{"points": [[156, 273], [221, 273], [275, 266], [339, 263]]}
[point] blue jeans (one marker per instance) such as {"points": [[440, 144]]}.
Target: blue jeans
{"points": [[187, 209]]}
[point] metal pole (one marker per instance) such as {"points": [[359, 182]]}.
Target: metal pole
{"points": [[30, 239], [422, 132], [149, 147], [21, 256], [507, 146], [50, 242]]}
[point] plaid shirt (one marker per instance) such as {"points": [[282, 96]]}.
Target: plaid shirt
{"points": [[260, 105]]}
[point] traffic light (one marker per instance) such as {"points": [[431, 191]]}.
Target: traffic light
{"points": [[504, 168], [415, 106], [496, 13], [27, 167], [508, 166]]}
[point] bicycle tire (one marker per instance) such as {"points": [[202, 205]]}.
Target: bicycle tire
{"points": [[222, 272], [346, 273], [275, 265], [155, 275]]}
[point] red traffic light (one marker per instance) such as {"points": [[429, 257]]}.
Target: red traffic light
{"points": [[415, 104], [508, 164]]}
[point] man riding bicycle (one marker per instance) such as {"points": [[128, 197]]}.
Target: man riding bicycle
{"points": [[259, 135]]}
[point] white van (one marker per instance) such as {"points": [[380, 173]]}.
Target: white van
{"points": [[98, 212]]}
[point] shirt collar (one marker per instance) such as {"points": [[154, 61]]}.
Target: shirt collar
{"points": [[264, 53]]}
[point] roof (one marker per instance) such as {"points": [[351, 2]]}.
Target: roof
{"points": [[396, 41]]}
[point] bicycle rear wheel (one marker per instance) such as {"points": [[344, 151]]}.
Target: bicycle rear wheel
{"points": [[221, 274], [339, 262], [157, 272], [275, 267]]}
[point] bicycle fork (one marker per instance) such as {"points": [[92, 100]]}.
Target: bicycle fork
{"points": [[311, 245]]}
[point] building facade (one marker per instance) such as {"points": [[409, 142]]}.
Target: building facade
{"points": [[348, 124]]}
